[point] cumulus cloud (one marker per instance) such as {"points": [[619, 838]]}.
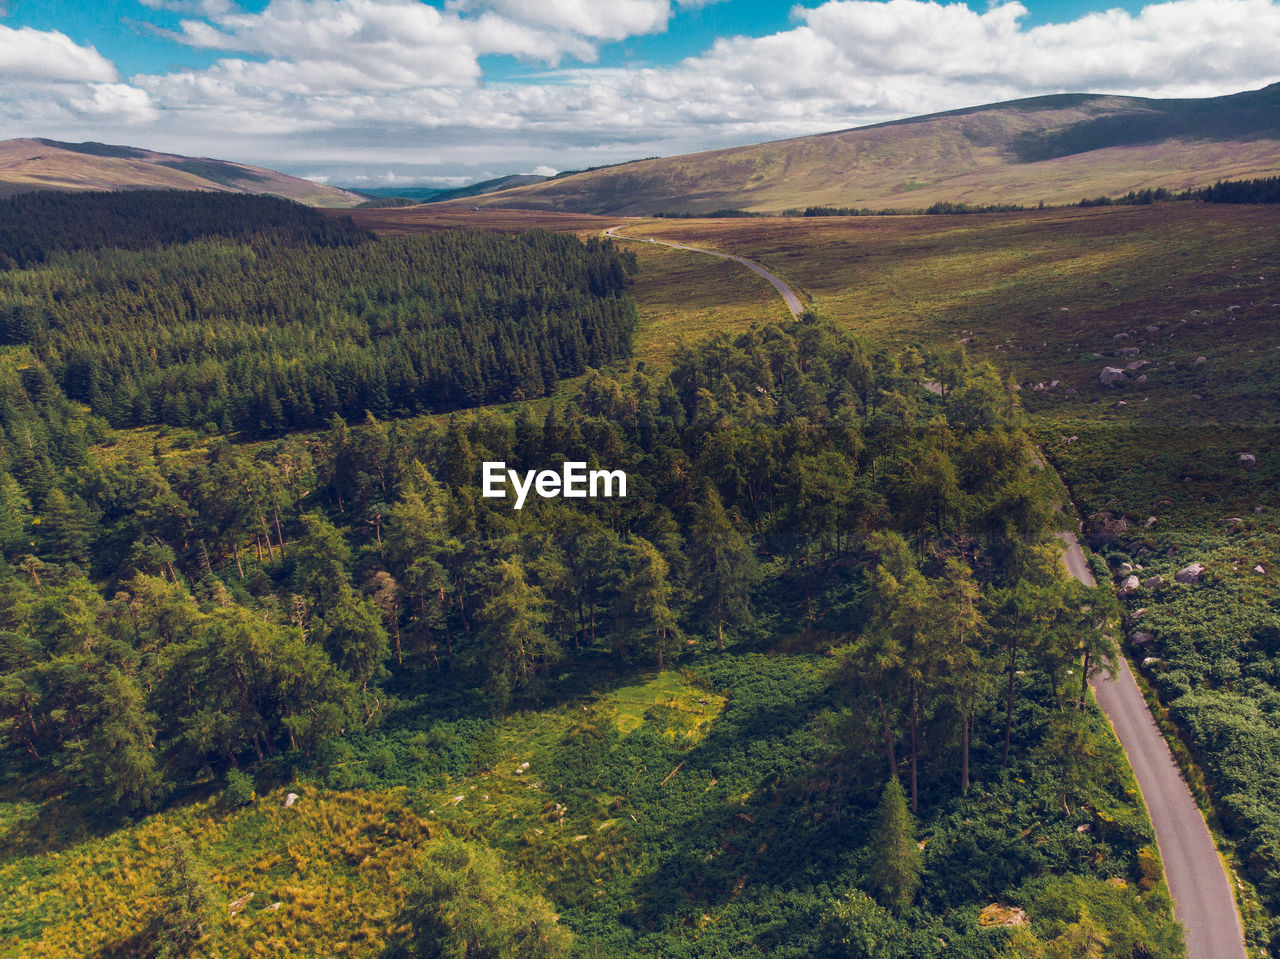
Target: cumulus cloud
{"points": [[29, 55], [329, 84]]}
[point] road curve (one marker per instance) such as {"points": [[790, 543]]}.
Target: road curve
{"points": [[788, 294], [1198, 881]]}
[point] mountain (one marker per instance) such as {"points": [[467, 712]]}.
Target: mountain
{"points": [[38, 164], [426, 194], [1055, 149]]}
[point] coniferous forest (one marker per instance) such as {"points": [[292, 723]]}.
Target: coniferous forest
{"points": [[237, 563]]}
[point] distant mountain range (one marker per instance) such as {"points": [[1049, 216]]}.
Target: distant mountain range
{"points": [[1056, 149], [37, 164], [1053, 149]]}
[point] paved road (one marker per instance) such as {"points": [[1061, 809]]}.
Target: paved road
{"points": [[1202, 898], [788, 294]]}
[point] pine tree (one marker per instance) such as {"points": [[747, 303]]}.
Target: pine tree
{"points": [[893, 870]]}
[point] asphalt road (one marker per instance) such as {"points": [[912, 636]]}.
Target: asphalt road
{"points": [[1202, 898], [1198, 881], [788, 294]]}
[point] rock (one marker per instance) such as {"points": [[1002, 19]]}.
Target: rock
{"points": [[1190, 574], [1136, 615], [998, 914], [1141, 638], [1150, 661], [1130, 586], [1155, 582], [239, 904], [1125, 569], [1259, 570], [1151, 521], [1111, 376], [1104, 528], [1053, 384], [1201, 361], [1231, 521], [1136, 365], [1247, 461], [290, 799], [1232, 309], [1129, 351], [1121, 336], [275, 907], [1084, 827], [1259, 509], [1142, 379]]}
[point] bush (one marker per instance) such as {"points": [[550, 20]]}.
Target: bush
{"points": [[240, 789]]}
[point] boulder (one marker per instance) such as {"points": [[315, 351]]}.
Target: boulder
{"points": [[1190, 574], [1125, 569], [290, 799], [1137, 614], [1141, 638], [998, 914], [1111, 376], [1150, 661], [1259, 570], [1201, 361], [1130, 586], [1136, 365], [1154, 582], [1247, 461], [1151, 521], [1129, 351]]}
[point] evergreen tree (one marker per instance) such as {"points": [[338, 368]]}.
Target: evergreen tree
{"points": [[893, 868]]}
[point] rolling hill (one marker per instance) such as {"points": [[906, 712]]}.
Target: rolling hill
{"points": [[1055, 149], [38, 164]]}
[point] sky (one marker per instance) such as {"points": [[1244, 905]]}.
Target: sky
{"points": [[398, 92]]}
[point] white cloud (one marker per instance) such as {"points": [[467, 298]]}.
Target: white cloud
{"points": [[27, 54], [339, 85], [544, 170]]}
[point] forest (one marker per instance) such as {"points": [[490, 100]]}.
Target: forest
{"points": [[837, 561]]}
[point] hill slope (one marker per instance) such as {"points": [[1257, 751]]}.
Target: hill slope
{"points": [[37, 164], [1056, 149]]}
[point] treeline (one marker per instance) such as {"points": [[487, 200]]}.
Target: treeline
{"points": [[259, 596], [941, 208], [725, 214], [34, 226], [267, 335]]}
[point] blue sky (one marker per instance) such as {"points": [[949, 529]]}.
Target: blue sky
{"points": [[397, 91]]}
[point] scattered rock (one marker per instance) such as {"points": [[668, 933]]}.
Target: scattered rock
{"points": [[1232, 309], [1150, 661], [1259, 570], [1259, 509], [1141, 638], [1190, 574], [1231, 521], [1130, 586], [1084, 827], [1125, 569], [1111, 376], [239, 904], [1136, 615], [1142, 379], [1129, 351], [1201, 361], [1196, 396], [1247, 461], [1151, 521], [290, 799], [998, 914], [1121, 336], [274, 907], [1155, 582]]}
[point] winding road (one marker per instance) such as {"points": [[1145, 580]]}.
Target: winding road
{"points": [[788, 295], [1197, 877]]}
